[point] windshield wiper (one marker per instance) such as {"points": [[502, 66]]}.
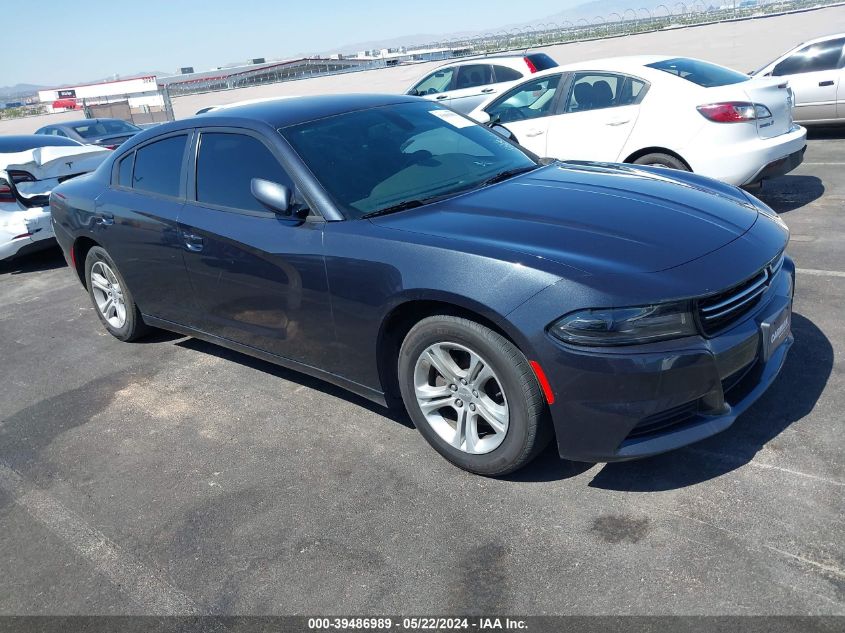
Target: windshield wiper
{"points": [[402, 206], [418, 202], [508, 173]]}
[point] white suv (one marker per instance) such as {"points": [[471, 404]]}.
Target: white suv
{"points": [[465, 84], [815, 71]]}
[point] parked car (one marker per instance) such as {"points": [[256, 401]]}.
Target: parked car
{"points": [[675, 112], [397, 249], [815, 71], [108, 133], [30, 167], [465, 84]]}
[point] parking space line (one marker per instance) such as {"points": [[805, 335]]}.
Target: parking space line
{"points": [[741, 462], [143, 586], [820, 273], [827, 568], [806, 163]]}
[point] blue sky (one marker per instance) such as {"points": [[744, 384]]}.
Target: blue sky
{"points": [[65, 42]]}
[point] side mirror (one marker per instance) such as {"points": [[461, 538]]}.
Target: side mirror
{"points": [[481, 117], [501, 130], [276, 197]]}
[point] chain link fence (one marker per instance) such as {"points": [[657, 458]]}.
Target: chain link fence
{"points": [[138, 108]]}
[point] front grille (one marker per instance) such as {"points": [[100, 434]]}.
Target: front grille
{"points": [[665, 419], [718, 311]]}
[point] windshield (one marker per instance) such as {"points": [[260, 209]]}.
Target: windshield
{"points": [[704, 74], [379, 158]]}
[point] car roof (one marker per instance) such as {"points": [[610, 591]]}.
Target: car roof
{"points": [[636, 64], [822, 38], [14, 143], [235, 104], [627, 62], [475, 59], [294, 110], [85, 122]]}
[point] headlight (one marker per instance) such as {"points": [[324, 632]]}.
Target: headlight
{"points": [[626, 326]]}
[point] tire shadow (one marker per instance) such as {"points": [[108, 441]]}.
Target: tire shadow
{"points": [[790, 192], [49, 258]]}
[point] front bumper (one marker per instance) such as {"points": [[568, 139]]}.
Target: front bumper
{"points": [[619, 404]]}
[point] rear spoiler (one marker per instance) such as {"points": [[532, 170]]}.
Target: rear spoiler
{"points": [[40, 200]]}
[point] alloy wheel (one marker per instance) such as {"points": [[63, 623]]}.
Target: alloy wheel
{"points": [[108, 295], [461, 397]]}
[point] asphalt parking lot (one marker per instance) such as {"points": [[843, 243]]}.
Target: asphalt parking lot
{"points": [[171, 476]]}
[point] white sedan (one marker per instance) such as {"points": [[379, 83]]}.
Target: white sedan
{"points": [[655, 110], [30, 166]]}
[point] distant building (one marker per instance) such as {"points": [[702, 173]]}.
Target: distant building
{"points": [[135, 90]]}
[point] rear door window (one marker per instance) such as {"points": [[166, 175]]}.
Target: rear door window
{"points": [[473, 75], [701, 73], [158, 166], [821, 56], [595, 91], [124, 170], [503, 73], [226, 165]]}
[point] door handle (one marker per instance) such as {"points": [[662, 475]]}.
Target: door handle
{"points": [[618, 122], [441, 97], [193, 242], [487, 90], [829, 82], [534, 132], [104, 219]]}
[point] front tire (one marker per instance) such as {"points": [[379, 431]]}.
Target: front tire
{"points": [[472, 395], [111, 297]]}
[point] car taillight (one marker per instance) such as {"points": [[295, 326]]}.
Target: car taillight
{"points": [[6, 194], [110, 146], [531, 67], [734, 112]]}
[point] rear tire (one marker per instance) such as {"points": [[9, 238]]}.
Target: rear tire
{"points": [[484, 410], [112, 299], [662, 160]]}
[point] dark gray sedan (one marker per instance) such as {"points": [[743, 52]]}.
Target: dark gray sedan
{"points": [[109, 133], [393, 247]]}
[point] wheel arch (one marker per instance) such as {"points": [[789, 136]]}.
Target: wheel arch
{"points": [[656, 150], [408, 311], [78, 252]]}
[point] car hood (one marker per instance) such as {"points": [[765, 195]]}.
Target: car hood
{"points": [[597, 218]]}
